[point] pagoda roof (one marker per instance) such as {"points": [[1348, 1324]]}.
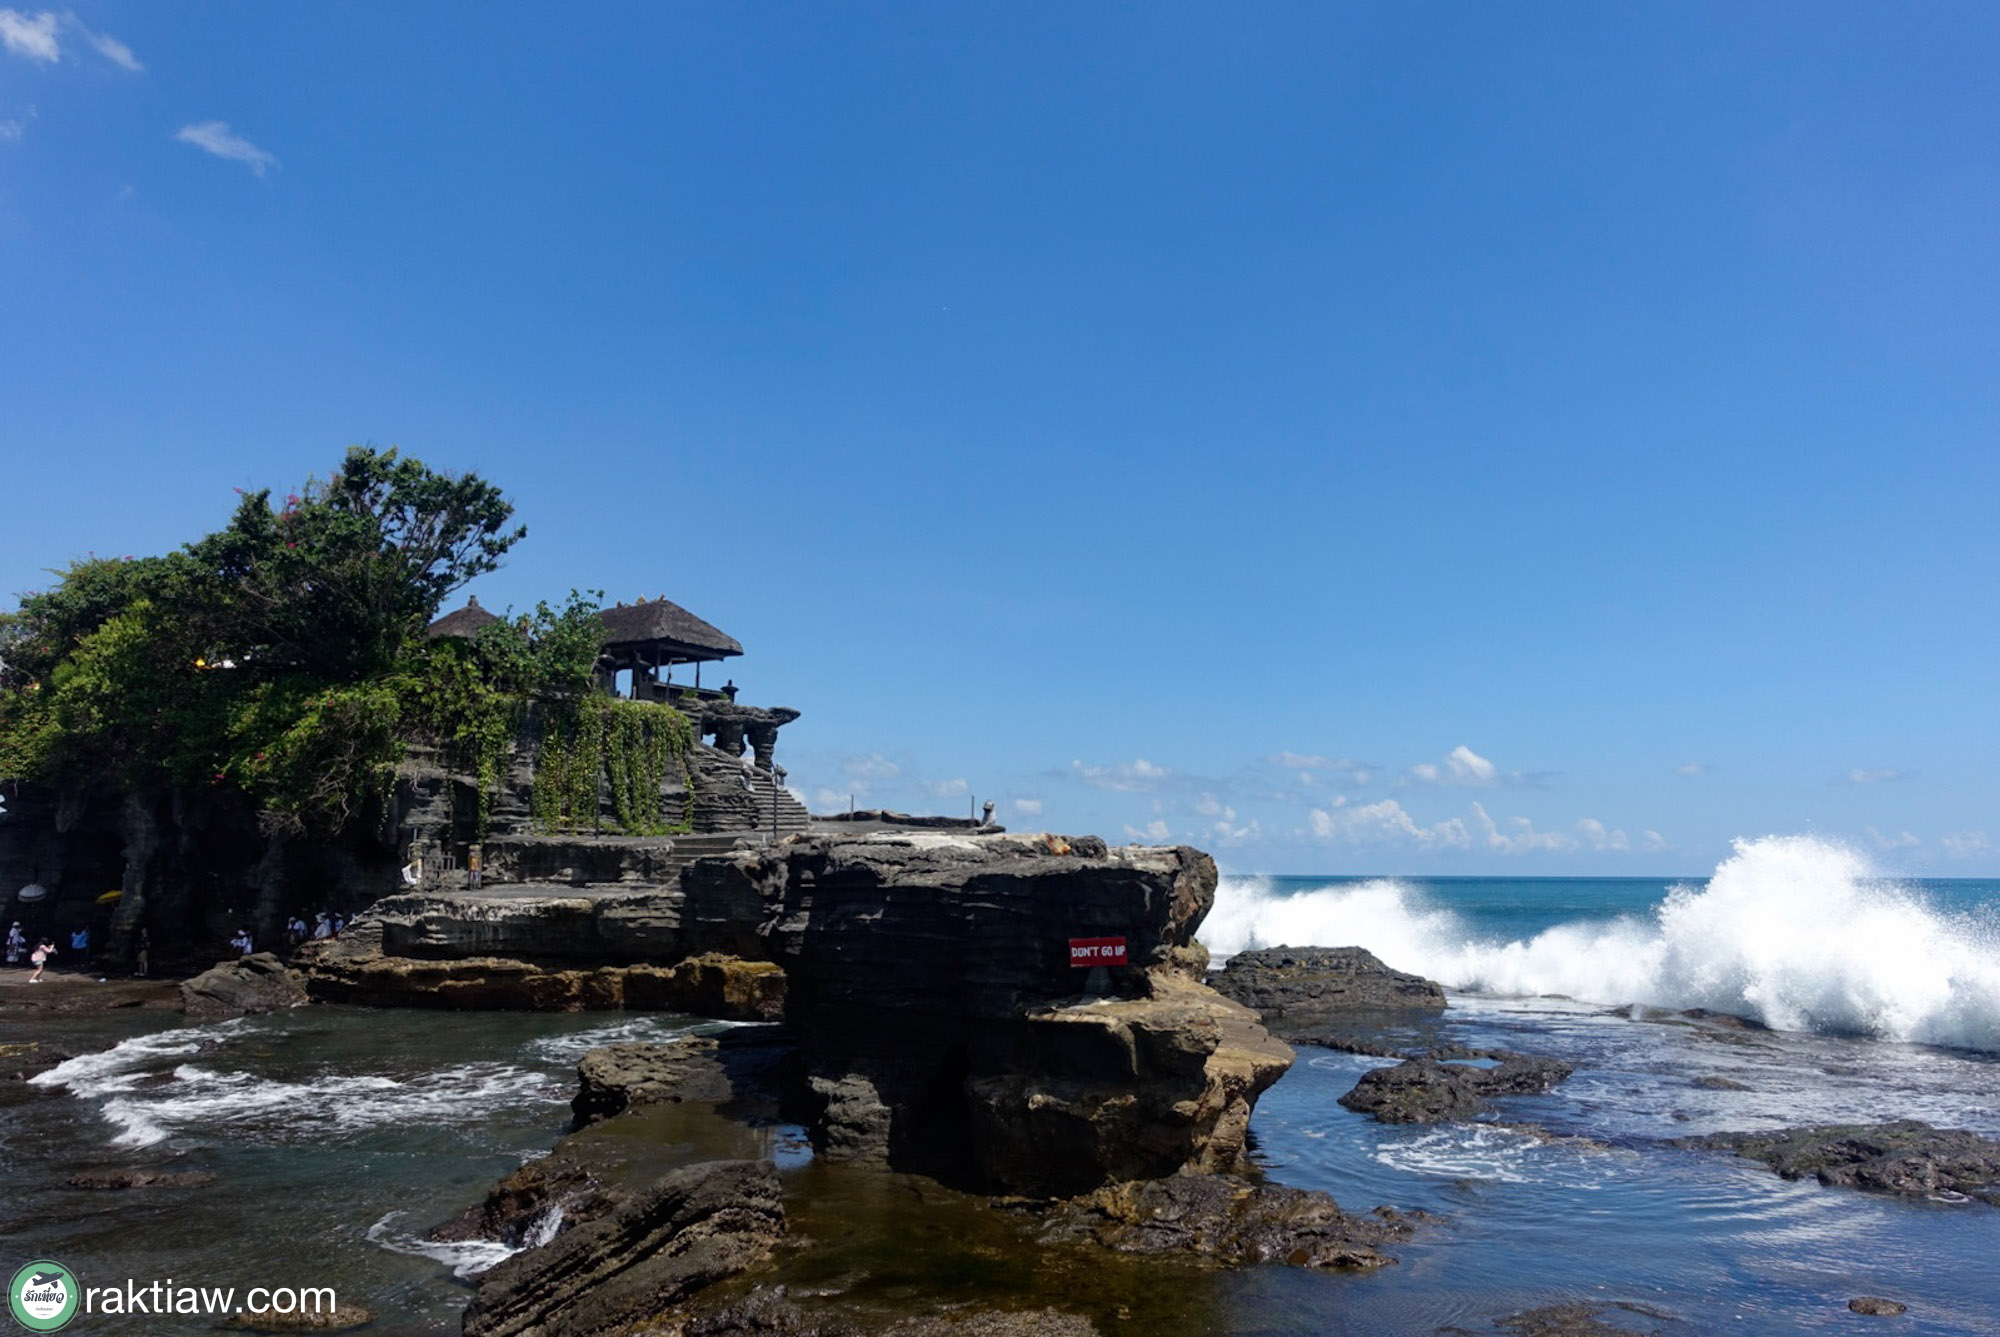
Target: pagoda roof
{"points": [[665, 625], [465, 622]]}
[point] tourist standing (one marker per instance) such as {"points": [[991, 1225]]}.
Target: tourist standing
{"points": [[241, 942], [17, 944], [79, 942], [145, 950]]}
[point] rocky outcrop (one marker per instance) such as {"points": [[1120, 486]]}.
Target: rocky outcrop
{"points": [[1228, 1219], [772, 1313], [1124, 1089], [259, 983], [942, 1024], [1907, 1158], [124, 1179], [729, 1070], [1297, 990], [1877, 1306], [927, 979], [690, 1229], [1451, 1084], [1576, 1319], [357, 969], [524, 1209]]}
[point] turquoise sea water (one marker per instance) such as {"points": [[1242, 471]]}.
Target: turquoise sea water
{"points": [[340, 1136]]}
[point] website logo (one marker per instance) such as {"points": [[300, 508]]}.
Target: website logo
{"points": [[44, 1296]]}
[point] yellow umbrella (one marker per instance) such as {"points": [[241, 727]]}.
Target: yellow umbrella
{"points": [[110, 896]]}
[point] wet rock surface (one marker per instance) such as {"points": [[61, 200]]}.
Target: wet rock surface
{"points": [[23, 1059], [1907, 1158], [124, 1179], [773, 1314], [334, 1320], [1878, 1306], [1451, 1083], [737, 1067], [690, 1229], [254, 984], [1299, 991], [522, 1210], [1227, 1219], [1578, 1320]]}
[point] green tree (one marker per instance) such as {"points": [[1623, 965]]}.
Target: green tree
{"points": [[283, 654]]}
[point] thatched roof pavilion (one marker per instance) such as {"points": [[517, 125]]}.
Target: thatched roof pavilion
{"points": [[465, 623], [656, 634], [661, 632]]}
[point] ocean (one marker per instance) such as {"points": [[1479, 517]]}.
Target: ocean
{"points": [[339, 1136]]}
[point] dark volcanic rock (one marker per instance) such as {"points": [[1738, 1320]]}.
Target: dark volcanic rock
{"points": [[773, 1314], [1576, 1320], [121, 1179], [259, 983], [29, 1058], [940, 1018], [1907, 1157], [1295, 989], [517, 1210], [691, 1229], [737, 1065], [1435, 1088], [1229, 1220], [1875, 1304]]}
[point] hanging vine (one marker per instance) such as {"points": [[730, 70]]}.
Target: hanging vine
{"points": [[630, 747]]}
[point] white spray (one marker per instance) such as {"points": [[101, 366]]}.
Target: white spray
{"points": [[1791, 930]]}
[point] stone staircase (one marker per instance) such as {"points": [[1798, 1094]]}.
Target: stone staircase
{"points": [[790, 816]]}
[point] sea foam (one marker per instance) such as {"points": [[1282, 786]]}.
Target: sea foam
{"points": [[1793, 931]]}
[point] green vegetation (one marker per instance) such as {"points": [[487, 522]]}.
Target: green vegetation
{"points": [[630, 744], [285, 656]]}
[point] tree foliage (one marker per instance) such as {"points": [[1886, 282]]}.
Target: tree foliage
{"points": [[284, 654]]}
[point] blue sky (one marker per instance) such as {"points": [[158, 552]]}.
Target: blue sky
{"points": [[1352, 438]]}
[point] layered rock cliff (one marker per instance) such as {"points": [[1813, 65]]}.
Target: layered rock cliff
{"points": [[926, 978]]}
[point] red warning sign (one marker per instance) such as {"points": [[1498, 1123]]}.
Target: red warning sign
{"points": [[1087, 952]]}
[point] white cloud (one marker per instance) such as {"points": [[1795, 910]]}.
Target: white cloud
{"points": [[1155, 831], [1520, 837], [1965, 844], [1462, 768], [1208, 805], [946, 788], [32, 36], [1384, 823], [1312, 766], [1598, 837], [217, 138], [1140, 774], [1224, 833], [870, 768], [828, 800], [14, 129], [1858, 776], [1652, 840], [1901, 840], [108, 46], [1027, 807], [1691, 768]]}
